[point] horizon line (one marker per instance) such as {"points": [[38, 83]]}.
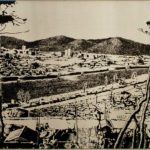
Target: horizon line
{"points": [[105, 38]]}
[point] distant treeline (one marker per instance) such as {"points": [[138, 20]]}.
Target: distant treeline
{"points": [[47, 87]]}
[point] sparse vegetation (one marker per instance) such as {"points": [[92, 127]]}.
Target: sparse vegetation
{"points": [[48, 87]]}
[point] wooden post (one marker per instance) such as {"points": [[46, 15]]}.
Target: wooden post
{"points": [[76, 122]]}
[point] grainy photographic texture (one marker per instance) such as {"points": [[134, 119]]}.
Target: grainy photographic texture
{"points": [[74, 74]]}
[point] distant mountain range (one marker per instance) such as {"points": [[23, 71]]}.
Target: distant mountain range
{"points": [[114, 45]]}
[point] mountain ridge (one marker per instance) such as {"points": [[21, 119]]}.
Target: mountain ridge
{"points": [[111, 45]]}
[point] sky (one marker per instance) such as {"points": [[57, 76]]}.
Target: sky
{"points": [[82, 19]]}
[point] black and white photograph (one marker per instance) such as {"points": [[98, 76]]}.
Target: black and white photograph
{"points": [[74, 74]]}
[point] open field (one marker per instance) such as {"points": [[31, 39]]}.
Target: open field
{"points": [[87, 104], [48, 87]]}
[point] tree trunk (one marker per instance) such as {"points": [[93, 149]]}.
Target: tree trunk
{"points": [[121, 134], [142, 130]]}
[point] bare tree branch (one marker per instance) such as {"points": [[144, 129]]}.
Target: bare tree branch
{"points": [[119, 139], [3, 28], [14, 32]]}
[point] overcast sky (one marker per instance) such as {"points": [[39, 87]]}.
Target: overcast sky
{"points": [[83, 19]]}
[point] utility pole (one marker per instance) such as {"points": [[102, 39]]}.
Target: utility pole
{"points": [[76, 122], [38, 125], [84, 87], [105, 111], [96, 97], [1, 117]]}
